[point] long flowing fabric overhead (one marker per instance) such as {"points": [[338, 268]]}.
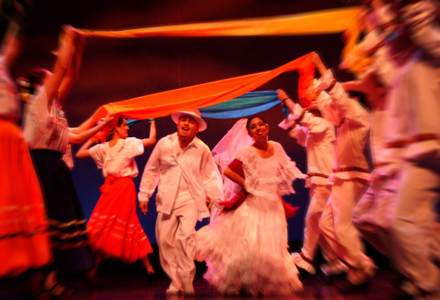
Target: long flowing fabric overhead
{"points": [[317, 22], [202, 95], [245, 105], [352, 58]]}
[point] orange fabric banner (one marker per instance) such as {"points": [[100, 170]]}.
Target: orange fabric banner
{"points": [[207, 94], [352, 58], [316, 22]]}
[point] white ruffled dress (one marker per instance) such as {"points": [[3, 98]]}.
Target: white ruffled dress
{"points": [[246, 250]]}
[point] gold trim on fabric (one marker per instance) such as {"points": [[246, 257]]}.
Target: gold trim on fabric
{"points": [[60, 224], [66, 236], [39, 230]]}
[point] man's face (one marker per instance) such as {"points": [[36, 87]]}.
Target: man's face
{"points": [[187, 127], [311, 93]]}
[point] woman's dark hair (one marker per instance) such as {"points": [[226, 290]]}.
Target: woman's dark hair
{"points": [[251, 118], [120, 120], [119, 123]]}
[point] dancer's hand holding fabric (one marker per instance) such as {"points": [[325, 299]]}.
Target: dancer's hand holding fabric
{"points": [[316, 60]]}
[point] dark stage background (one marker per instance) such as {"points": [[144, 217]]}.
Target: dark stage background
{"points": [[118, 69]]}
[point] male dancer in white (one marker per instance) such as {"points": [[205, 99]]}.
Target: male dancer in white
{"points": [[318, 136], [414, 126], [372, 214], [187, 175], [349, 176]]}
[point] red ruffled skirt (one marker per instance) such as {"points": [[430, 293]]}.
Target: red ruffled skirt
{"points": [[114, 226], [24, 241]]}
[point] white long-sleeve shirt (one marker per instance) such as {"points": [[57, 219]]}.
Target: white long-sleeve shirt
{"points": [[195, 165], [414, 94], [317, 135], [352, 124]]}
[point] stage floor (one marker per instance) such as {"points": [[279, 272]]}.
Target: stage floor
{"points": [[130, 282]]}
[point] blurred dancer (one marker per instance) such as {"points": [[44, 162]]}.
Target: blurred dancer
{"points": [[413, 125], [47, 135], [24, 241], [349, 175], [318, 136], [372, 215]]}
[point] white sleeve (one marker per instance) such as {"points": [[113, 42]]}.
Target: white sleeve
{"points": [[97, 153], [151, 175], [314, 124], [300, 134], [37, 117], [133, 146], [333, 106], [212, 180]]}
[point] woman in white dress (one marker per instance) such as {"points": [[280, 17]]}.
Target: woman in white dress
{"points": [[245, 249]]}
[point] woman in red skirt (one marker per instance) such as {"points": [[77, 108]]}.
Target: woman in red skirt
{"points": [[24, 241], [114, 227]]}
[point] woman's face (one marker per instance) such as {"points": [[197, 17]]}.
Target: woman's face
{"points": [[122, 130], [258, 129]]}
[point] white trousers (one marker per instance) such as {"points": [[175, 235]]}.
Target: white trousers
{"points": [[319, 196], [175, 238], [373, 214], [344, 237], [414, 228]]}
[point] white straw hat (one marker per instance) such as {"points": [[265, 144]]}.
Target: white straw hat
{"points": [[194, 113]]}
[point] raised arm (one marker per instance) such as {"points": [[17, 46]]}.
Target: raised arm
{"points": [[73, 69], [62, 63], [151, 140], [76, 137], [285, 99], [83, 152], [83, 127], [316, 60]]}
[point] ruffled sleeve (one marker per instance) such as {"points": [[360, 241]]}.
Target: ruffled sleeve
{"points": [[133, 147], [288, 172], [248, 158], [244, 155]]}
